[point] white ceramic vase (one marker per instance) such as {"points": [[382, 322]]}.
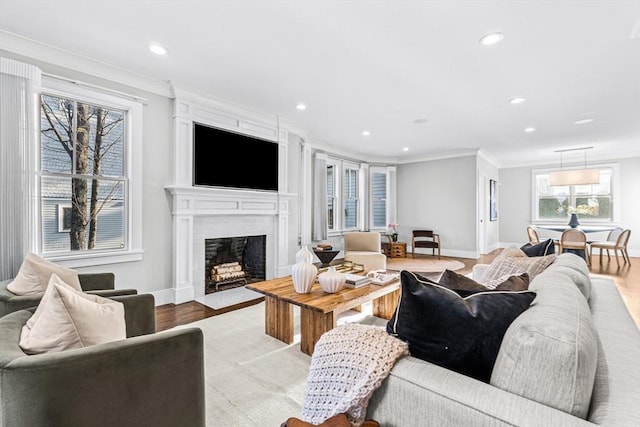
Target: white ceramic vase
{"points": [[331, 281], [304, 254], [304, 276]]}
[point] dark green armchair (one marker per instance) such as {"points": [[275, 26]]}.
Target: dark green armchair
{"points": [[148, 379]]}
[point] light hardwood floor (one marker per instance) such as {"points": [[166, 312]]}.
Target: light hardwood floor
{"points": [[626, 277]]}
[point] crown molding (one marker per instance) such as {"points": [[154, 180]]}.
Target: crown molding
{"points": [[43, 52], [441, 156]]}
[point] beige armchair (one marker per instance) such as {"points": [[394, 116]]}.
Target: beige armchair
{"points": [[363, 247]]}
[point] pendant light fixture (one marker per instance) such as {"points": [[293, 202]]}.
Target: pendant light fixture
{"points": [[582, 176]]}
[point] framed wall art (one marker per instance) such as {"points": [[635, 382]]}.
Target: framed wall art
{"points": [[493, 200]]}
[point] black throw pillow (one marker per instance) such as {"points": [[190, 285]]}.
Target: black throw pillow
{"points": [[539, 249], [459, 333]]}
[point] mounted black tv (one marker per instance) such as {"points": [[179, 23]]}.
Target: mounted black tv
{"points": [[228, 159]]}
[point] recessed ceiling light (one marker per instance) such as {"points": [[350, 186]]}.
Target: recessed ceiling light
{"points": [[301, 107], [517, 100], [420, 121], [405, 149], [491, 38], [583, 121], [530, 130], [157, 49], [366, 133]]}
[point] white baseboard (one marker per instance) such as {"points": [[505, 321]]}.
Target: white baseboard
{"points": [[164, 296]]}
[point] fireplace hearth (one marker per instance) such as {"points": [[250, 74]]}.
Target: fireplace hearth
{"points": [[231, 262]]}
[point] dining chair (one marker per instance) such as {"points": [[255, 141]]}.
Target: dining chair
{"points": [[575, 240], [616, 241], [532, 234]]}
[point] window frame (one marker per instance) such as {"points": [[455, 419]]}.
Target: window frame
{"points": [[335, 216], [364, 195], [62, 209], [133, 250], [350, 168], [615, 198], [380, 170]]}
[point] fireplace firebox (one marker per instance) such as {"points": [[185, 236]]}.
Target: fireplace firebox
{"points": [[231, 262]]}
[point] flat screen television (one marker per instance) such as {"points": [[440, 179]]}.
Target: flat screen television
{"points": [[223, 158]]}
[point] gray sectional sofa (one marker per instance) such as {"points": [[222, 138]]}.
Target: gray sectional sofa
{"points": [[571, 359]]}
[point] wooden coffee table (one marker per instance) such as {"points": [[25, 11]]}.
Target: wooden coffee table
{"points": [[318, 310]]}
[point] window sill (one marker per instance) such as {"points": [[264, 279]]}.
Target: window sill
{"points": [[99, 258]]}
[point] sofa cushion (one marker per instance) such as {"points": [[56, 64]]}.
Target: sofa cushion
{"points": [[539, 249], [66, 319], [459, 333], [549, 353], [460, 282], [33, 276], [513, 261], [576, 270]]}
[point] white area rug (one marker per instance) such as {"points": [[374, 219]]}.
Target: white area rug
{"points": [[218, 300], [253, 379]]}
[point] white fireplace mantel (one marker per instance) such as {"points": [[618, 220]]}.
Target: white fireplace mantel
{"points": [[201, 213], [204, 213]]}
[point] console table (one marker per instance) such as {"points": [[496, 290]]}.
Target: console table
{"points": [[318, 310]]}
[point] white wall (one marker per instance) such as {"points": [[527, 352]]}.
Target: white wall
{"points": [[440, 195], [516, 198], [153, 273]]}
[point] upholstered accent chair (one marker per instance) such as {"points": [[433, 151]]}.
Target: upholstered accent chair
{"points": [[154, 379], [617, 240], [575, 240], [102, 284], [364, 247], [425, 239]]}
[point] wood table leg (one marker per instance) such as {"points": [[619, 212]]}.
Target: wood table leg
{"points": [[385, 306], [278, 319], [312, 325]]}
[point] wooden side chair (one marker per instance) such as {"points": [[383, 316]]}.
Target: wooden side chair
{"points": [[425, 239], [617, 241], [575, 240], [532, 234]]}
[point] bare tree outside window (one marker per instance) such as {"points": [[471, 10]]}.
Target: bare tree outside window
{"points": [[82, 159]]}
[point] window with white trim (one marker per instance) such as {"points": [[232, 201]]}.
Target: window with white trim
{"points": [[90, 199], [351, 196], [592, 203], [378, 188], [332, 199]]}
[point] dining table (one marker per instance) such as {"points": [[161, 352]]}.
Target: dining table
{"points": [[586, 228]]}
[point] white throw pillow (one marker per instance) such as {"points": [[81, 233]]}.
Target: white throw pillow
{"points": [[67, 318], [512, 261], [34, 274]]}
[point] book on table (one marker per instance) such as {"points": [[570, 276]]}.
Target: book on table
{"points": [[356, 280], [383, 277]]}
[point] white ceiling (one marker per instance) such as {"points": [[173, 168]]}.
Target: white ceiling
{"points": [[380, 65]]}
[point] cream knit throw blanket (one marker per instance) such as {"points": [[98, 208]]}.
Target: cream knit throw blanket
{"points": [[348, 363]]}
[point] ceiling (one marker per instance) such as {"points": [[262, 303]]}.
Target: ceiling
{"points": [[381, 66]]}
